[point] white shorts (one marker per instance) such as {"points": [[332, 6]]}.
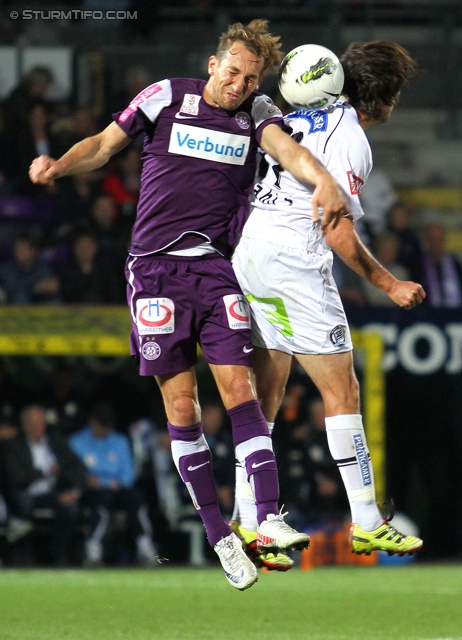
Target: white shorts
{"points": [[296, 307]]}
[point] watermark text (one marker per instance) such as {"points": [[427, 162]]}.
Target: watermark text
{"points": [[73, 14]]}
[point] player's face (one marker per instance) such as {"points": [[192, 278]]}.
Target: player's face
{"points": [[233, 79]]}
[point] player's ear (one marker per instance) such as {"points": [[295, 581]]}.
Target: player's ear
{"points": [[213, 63]]}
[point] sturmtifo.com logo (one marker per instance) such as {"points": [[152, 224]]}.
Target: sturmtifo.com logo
{"points": [[73, 14]]}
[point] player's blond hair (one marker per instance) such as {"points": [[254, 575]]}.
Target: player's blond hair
{"points": [[256, 39]]}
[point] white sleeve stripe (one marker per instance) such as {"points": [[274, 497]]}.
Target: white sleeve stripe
{"points": [[152, 105]]}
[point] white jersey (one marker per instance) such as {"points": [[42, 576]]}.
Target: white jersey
{"points": [[281, 210]]}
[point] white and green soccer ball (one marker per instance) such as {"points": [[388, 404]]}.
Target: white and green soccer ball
{"points": [[311, 77]]}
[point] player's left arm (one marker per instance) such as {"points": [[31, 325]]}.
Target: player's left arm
{"points": [[306, 169], [346, 243]]}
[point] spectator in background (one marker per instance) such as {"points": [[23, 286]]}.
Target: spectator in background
{"points": [[110, 483], [328, 502], [65, 399], [11, 395], [89, 277], [122, 182], [105, 223], [41, 471], [136, 78], [441, 271], [73, 196], [386, 248], [409, 251], [26, 119], [25, 279], [378, 196], [28, 94], [33, 138]]}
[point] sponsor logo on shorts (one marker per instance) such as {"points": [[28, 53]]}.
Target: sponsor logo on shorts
{"points": [[140, 98], [190, 105], [247, 349], [150, 350], [216, 146], [238, 311], [275, 312], [155, 315], [337, 335], [356, 184], [362, 458], [243, 119]]}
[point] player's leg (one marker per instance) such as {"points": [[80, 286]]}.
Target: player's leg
{"points": [[254, 451], [193, 460], [168, 308], [334, 376], [271, 370]]}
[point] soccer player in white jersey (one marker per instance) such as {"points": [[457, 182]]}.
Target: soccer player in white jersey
{"points": [[284, 266]]}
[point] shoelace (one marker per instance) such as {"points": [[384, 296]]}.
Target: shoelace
{"points": [[279, 522], [233, 558]]}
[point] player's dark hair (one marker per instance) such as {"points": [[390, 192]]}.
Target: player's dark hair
{"points": [[374, 74], [256, 39]]}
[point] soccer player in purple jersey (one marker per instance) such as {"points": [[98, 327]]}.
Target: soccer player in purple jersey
{"points": [[199, 161]]}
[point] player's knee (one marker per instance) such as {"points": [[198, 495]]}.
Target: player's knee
{"points": [[238, 391], [184, 410]]}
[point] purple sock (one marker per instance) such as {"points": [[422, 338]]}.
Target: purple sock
{"points": [[194, 462], [248, 422]]}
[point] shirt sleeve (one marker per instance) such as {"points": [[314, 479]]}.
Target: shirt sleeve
{"points": [[145, 107], [265, 112]]}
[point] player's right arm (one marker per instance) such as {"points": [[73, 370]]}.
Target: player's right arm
{"points": [[346, 243], [88, 154], [306, 169]]}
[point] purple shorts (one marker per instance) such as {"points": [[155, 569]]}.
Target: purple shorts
{"points": [[176, 303]]}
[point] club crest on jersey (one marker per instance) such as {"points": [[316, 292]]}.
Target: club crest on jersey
{"points": [[190, 104], [356, 184], [238, 311], [243, 119], [337, 335], [155, 315], [150, 350]]}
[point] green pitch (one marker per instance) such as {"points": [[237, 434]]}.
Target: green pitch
{"points": [[418, 602]]}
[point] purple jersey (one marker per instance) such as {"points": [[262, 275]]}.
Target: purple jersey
{"points": [[199, 164]]}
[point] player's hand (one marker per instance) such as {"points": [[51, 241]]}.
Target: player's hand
{"points": [[44, 170], [329, 196], [407, 294]]}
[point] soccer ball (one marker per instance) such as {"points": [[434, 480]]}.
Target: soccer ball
{"points": [[310, 76]]}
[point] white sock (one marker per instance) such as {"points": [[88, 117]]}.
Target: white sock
{"points": [[245, 509], [347, 444]]}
